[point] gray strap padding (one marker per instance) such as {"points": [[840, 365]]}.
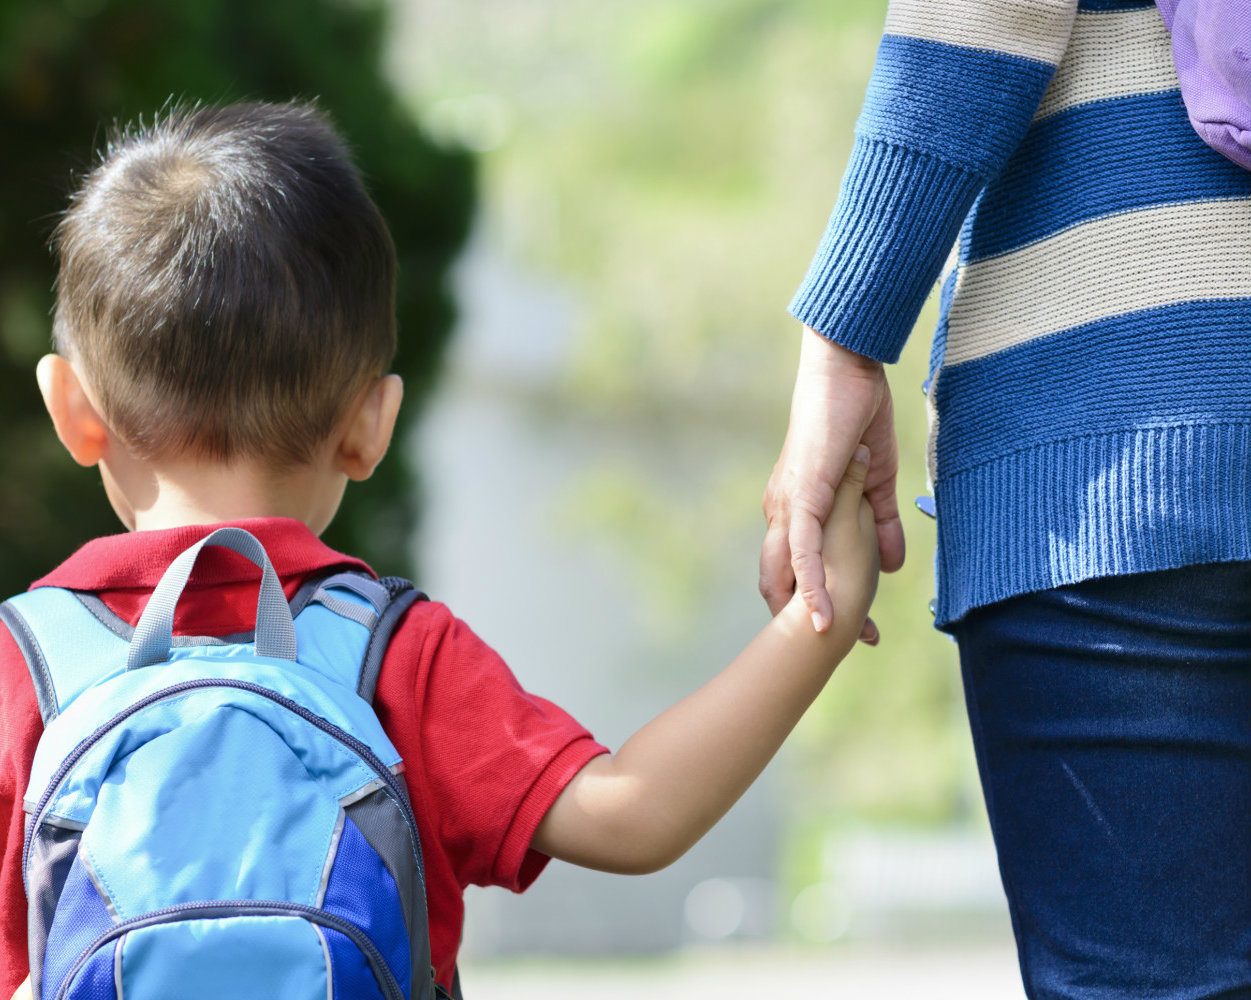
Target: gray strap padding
{"points": [[304, 596], [346, 609], [40, 675], [403, 597], [275, 633], [373, 591]]}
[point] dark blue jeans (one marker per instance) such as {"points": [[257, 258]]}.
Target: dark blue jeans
{"points": [[1112, 725]]}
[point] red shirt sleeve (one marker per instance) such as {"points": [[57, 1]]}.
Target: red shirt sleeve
{"points": [[20, 729], [484, 762]]}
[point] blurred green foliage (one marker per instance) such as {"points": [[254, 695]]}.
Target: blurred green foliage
{"points": [[71, 68], [674, 164]]}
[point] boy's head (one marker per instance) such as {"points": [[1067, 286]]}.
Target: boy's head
{"points": [[226, 285]]}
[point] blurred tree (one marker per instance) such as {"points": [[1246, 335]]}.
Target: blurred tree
{"points": [[69, 69]]}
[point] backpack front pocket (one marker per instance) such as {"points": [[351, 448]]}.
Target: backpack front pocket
{"points": [[229, 949], [242, 801]]}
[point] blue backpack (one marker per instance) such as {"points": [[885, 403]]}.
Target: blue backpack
{"points": [[219, 817]]}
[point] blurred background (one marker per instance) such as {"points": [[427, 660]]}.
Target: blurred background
{"points": [[602, 210]]}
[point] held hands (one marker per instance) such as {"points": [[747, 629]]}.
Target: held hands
{"points": [[840, 400], [848, 557]]}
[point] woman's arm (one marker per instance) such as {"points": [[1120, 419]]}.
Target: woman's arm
{"points": [[954, 88]]}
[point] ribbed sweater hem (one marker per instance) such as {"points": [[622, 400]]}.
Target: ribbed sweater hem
{"points": [[1128, 501], [884, 247]]}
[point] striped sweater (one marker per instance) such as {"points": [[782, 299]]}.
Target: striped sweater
{"points": [[1091, 371]]}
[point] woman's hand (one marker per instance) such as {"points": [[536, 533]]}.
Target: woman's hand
{"points": [[841, 399]]}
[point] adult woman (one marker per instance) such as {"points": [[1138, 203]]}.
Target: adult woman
{"points": [[1091, 395]]}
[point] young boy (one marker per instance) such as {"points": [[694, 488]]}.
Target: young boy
{"points": [[223, 325]]}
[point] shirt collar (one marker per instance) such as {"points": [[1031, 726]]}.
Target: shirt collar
{"points": [[137, 559]]}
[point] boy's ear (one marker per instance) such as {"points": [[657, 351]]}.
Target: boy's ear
{"points": [[369, 426], [78, 424]]}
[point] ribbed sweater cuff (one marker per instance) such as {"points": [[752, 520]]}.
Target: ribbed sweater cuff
{"points": [[898, 214]]}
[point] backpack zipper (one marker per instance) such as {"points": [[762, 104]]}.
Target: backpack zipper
{"points": [[329, 728], [244, 908]]}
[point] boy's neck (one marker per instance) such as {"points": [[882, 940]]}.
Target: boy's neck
{"points": [[150, 496]]}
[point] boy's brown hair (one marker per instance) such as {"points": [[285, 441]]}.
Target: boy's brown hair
{"points": [[226, 285]]}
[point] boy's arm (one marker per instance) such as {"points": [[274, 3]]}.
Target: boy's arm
{"points": [[643, 807]]}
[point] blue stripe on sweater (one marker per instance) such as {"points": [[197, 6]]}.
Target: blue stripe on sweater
{"points": [[1100, 6], [1086, 154], [1039, 391], [969, 107]]}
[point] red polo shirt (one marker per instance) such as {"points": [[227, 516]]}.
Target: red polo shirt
{"points": [[484, 760]]}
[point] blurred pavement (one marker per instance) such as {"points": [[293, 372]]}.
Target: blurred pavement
{"points": [[960, 971]]}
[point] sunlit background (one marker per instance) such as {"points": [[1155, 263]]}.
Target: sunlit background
{"points": [[651, 178]]}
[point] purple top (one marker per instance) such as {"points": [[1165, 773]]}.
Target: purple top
{"points": [[1212, 50]]}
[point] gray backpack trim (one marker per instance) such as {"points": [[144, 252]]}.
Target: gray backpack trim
{"points": [[403, 595], [373, 591], [40, 675], [53, 851], [121, 628], [348, 610], [112, 621], [372, 816]]}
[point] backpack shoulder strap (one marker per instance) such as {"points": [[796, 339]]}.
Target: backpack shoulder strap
{"points": [[374, 605], [66, 646], [71, 641], [401, 595]]}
